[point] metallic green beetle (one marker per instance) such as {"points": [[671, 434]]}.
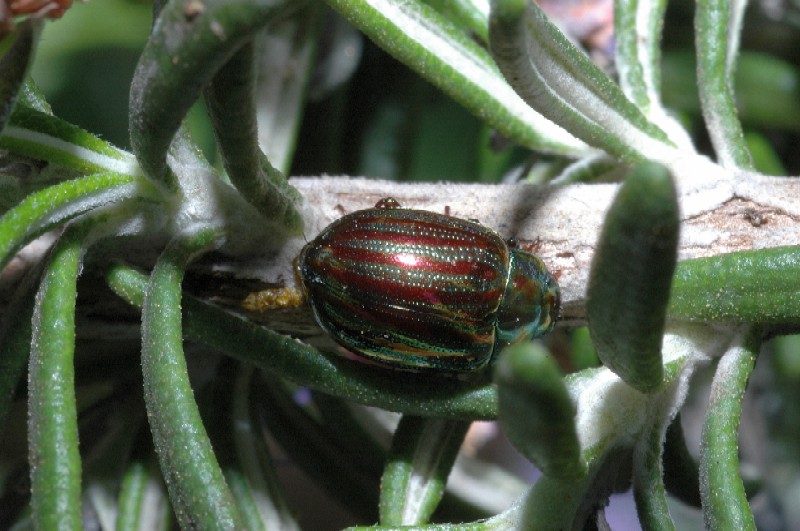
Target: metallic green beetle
{"points": [[417, 290]]}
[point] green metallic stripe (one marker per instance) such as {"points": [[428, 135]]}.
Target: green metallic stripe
{"points": [[460, 251], [376, 219], [351, 313], [425, 302], [427, 224], [402, 284], [450, 283], [381, 338]]}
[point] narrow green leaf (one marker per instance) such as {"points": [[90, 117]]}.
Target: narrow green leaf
{"points": [[16, 53], [231, 104], [245, 498], [722, 492], [254, 459], [130, 285], [637, 86], [419, 36], [411, 393], [767, 91], [747, 286], [599, 168], [45, 209], [41, 136], [199, 494], [637, 39], [629, 283], [717, 28], [610, 418], [240, 447], [558, 503], [54, 459], [648, 483], [188, 45], [131, 497], [766, 159], [471, 15], [31, 96], [143, 502], [289, 46], [536, 412], [582, 352], [422, 455], [767, 88], [559, 81], [613, 418], [15, 339], [316, 449]]}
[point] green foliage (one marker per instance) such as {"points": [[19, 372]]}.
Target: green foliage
{"points": [[178, 421], [631, 276]]}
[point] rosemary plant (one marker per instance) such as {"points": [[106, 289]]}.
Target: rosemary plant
{"points": [[157, 360]]}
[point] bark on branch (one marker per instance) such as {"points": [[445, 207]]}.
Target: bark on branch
{"points": [[561, 223]]}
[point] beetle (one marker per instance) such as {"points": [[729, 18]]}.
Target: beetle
{"points": [[417, 290]]}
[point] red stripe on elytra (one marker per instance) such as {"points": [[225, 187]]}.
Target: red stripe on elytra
{"points": [[469, 267], [414, 227], [387, 325], [432, 238], [444, 295]]}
